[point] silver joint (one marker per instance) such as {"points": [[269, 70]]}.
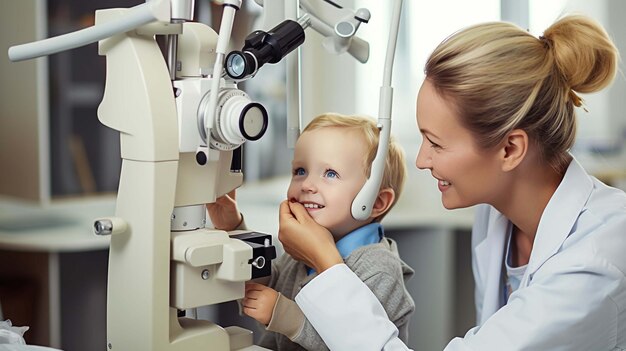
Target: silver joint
{"points": [[103, 227], [304, 21], [259, 262]]}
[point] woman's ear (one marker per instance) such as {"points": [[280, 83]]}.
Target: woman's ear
{"points": [[514, 149], [383, 202]]}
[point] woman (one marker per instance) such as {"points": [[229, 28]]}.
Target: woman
{"points": [[496, 112]]}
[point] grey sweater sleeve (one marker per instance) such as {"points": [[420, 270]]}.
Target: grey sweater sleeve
{"points": [[308, 336], [287, 318]]}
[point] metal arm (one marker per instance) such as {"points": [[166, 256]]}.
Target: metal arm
{"points": [[364, 201], [226, 27], [339, 28], [155, 10]]}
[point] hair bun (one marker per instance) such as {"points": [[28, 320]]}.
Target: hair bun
{"points": [[547, 43], [583, 52]]}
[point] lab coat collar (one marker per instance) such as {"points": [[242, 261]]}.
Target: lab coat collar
{"points": [[559, 216], [489, 258], [554, 227]]}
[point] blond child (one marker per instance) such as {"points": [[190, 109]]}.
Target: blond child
{"points": [[332, 161]]}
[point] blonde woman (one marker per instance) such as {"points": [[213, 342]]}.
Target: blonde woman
{"points": [[496, 112]]}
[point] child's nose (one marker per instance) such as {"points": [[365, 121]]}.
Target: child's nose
{"points": [[308, 185]]}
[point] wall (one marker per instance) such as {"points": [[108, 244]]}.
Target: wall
{"points": [[23, 105]]}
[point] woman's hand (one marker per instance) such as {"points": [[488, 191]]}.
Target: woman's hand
{"points": [[304, 239], [224, 213], [259, 302]]}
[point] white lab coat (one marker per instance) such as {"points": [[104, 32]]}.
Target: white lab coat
{"points": [[572, 296]]}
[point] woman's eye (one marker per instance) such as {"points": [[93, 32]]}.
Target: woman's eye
{"points": [[331, 174], [299, 171], [433, 145]]}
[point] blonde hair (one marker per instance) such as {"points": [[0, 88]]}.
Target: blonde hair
{"points": [[499, 78], [395, 171]]}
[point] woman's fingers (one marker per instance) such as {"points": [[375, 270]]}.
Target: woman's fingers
{"points": [[304, 239], [284, 211], [299, 212], [293, 210]]}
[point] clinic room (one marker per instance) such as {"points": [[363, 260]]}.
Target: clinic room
{"points": [[312, 175]]}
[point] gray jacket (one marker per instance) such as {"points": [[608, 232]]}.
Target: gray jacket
{"points": [[378, 266]]}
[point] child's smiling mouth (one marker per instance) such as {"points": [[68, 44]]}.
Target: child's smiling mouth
{"points": [[312, 205]]}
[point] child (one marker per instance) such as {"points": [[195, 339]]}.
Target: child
{"points": [[332, 160]]}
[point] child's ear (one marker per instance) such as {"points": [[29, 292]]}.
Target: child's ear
{"points": [[383, 202]]}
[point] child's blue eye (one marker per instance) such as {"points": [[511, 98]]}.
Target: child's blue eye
{"points": [[299, 171], [331, 174]]}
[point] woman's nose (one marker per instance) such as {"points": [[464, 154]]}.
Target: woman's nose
{"points": [[423, 159]]}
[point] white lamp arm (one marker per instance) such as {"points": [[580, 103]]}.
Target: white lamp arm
{"points": [[359, 48], [152, 10], [364, 201]]}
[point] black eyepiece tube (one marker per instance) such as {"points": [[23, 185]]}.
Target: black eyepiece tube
{"points": [[283, 39], [264, 47]]}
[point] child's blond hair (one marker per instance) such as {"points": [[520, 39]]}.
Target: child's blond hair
{"points": [[395, 167]]}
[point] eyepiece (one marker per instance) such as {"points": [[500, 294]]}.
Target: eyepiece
{"points": [[264, 47], [239, 65]]}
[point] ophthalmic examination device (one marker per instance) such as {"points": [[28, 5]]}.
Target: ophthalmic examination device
{"points": [[182, 120]]}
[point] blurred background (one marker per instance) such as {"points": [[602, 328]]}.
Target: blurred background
{"points": [[60, 166]]}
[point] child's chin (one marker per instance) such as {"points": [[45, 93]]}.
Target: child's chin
{"points": [[321, 222]]}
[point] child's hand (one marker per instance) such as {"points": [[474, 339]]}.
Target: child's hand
{"points": [[259, 302], [224, 213]]}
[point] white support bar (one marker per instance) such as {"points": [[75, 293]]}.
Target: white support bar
{"points": [[155, 10], [364, 200], [226, 27], [293, 84], [358, 48]]}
